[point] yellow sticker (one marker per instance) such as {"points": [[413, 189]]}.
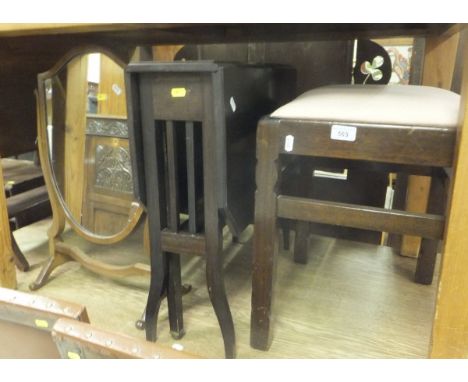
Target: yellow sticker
{"points": [[73, 355], [178, 92], [41, 323], [102, 97], [10, 182]]}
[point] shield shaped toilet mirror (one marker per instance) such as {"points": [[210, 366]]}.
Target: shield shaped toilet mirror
{"points": [[85, 156]]}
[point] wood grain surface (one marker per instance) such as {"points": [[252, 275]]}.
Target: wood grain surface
{"points": [[7, 266], [450, 332]]}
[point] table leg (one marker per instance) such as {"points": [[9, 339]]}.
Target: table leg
{"points": [[213, 230], [428, 252], [265, 243], [155, 191], [174, 296]]}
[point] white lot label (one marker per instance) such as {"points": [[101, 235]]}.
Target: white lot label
{"points": [[116, 89], [289, 143], [343, 133], [232, 102], [178, 347]]}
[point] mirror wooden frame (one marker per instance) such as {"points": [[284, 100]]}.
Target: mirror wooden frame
{"points": [[59, 251]]}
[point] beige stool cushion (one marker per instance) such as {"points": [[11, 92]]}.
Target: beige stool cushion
{"points": [[376, 104]]}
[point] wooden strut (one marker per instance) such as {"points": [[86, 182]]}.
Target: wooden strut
{"points": [[364, 217], [7, 266], [64, 253]]}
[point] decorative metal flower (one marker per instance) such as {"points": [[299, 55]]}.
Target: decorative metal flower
{"points": [[372, 70]]}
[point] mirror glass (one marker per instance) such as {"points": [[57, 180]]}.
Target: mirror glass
{"points": [[87, 140]]}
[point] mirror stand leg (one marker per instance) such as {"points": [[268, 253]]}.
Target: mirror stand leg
{"points": [[55, 260]]}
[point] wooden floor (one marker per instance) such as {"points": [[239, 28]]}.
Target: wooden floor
{"points": [[352, 300]]}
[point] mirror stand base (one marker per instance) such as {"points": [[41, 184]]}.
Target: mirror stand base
{"points": [[64, 253]]}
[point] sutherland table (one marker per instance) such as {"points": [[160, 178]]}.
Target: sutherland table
{"points": [[192, 131]]}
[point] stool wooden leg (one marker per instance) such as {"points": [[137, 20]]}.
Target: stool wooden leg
{"points": [[426, 261], [428, 251], [265, 243], [302, 184], [301, 242], [286, 229]]}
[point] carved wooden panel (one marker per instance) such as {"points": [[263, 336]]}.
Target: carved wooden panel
{"points": [[113, 168], [109, 184]]}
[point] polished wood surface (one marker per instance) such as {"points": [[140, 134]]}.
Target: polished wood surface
{"points": [[438, 69], [264, 270], [374, 218], [112, 100], [450, 331], [23, 29], [384, 143], [76, 89]]}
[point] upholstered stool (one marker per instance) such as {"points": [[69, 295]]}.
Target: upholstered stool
{"points": [[391, 128]]}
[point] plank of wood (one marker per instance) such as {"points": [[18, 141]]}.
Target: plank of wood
{"points": [[165, 52], [23, 29], [417, 197], [111, 88], [394, 41], [75, 122], [439, 63], [27, 199], [7, 265], [450, 330], [183, 243]]}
